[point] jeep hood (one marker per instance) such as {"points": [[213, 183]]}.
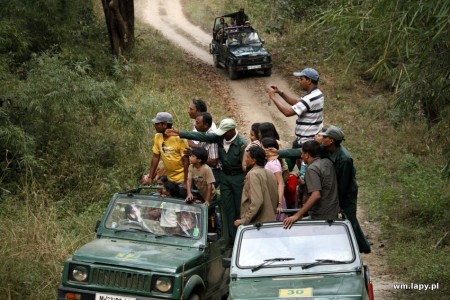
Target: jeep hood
{"points": [[348, 286], [148, 256], [249, 51]]}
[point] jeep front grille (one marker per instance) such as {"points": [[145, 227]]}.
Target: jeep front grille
{"points": [[121, 280], [253, 60]]}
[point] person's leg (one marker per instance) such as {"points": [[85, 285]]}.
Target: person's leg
{"points": [[227, 205], [236, 183], [363, 244]]}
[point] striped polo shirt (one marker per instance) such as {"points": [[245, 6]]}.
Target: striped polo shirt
{"points": [[310, 115]]}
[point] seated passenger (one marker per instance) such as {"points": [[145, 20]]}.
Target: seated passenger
{"points": [[220, 29]]}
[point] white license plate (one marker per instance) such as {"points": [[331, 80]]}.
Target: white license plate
{"points": [[111, 297], [254, 67]]}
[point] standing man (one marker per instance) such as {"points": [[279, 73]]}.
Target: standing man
{"points": [[346, 176], [170, 149], [231, 151], [321, 187], [241, 17], [309, 108], [260, 193], [203, 123]]}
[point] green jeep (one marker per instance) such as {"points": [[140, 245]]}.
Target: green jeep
{"points": [[239, 49], [312, 260], [149, 247]]}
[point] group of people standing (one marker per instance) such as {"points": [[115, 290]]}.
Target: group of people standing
{"points": [[251, 176]]}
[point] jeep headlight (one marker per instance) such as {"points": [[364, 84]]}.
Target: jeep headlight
{"points": [[79, 273], [163, 284]]}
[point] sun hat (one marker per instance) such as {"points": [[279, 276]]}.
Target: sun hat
{"points": [[163, 117], [308, 72], [334, 132], [225, 125]]}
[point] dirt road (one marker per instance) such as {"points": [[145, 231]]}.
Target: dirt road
{"points": [[248, 92], [249, 103]]}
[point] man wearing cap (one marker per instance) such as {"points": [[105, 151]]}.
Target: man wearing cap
{"points": [[309, 108], [231, 152], [170, 149], [346, 176]]}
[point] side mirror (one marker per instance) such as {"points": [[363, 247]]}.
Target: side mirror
{"points": [[97, 225], [226, 262], [212, 237]]}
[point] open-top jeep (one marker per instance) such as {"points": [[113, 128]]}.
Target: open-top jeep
{"points": [[239, 49], [149, 247], [312, 260]]}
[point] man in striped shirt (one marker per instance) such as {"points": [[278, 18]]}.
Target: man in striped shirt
{"points": [[309, 109]]}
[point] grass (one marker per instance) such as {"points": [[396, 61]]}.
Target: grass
{"points": [[39, 227]]}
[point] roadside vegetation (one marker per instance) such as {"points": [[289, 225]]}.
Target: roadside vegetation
{"points": [[75, 127], [75, 123], [385, 69]]}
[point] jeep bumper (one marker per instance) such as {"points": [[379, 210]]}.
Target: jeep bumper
{"points": [[66, 293], [251, 67]]}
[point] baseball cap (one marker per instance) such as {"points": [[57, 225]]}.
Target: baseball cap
{"points": [[308, 72], [163, 117], [334, 132], [225, 125]]}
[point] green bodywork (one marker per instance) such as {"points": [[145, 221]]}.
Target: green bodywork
{"points": [[288, 279], [125, 261]]}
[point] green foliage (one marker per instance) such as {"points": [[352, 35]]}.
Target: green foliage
{"points": [[404, 44]]}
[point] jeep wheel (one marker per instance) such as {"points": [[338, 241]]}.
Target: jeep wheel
{"points": [[267, 72], [216, 61], [194, 297], [232, 73]]}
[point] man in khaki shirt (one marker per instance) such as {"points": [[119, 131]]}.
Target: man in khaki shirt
{"points": [[260, 194]]}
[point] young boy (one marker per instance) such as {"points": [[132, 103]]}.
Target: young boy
{"points": [[201, 174]]}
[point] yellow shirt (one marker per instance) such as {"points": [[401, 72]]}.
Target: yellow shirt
{"points": [[171, 151]]}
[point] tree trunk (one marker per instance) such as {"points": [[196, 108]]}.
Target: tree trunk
{"points": [[119, 16]]}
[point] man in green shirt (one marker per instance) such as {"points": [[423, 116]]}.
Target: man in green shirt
{"points": [[231, 152], [346, 176]]}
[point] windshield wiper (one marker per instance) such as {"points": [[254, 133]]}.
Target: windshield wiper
{"points": [[170, 234], [321, 262], [132, 229], [270, 261]]}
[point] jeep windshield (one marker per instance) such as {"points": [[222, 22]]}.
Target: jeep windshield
{"points": [[159, 216], [243, 38], [301, 245]]}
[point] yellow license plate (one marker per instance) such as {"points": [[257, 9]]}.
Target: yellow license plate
{"points": [[295, 293]]}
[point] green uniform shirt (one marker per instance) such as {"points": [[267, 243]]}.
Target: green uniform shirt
{"points": [[231, 160]]}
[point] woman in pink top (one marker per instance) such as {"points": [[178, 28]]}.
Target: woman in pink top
{"points": [[274, 164]]}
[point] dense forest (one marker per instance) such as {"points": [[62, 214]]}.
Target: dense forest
{"points": [[74, 120]]}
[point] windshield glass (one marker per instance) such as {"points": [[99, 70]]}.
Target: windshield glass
{"points": [[158, 216], [301, 244], [243, 38]]}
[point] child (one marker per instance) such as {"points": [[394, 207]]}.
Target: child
{"points": [[201, 174]]}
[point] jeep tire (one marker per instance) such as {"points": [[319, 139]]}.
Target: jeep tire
{"points": [[232, 73]]}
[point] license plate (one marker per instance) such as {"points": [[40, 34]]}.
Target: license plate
{"points": [[254, 67], [295, 293], [111, 297]]}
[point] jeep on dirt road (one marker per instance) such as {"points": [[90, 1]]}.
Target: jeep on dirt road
{"points": [[149, 247], [312, 260], [239, 49]]}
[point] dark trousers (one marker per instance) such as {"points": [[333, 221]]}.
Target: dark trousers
{"points": [[350, 212], [230, 194]]}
